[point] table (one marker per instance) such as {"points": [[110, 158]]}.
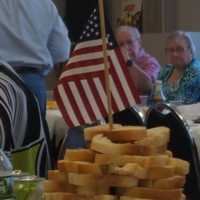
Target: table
{"points": [[57, 127], [56, 122], [190, 114], [195, 131]]}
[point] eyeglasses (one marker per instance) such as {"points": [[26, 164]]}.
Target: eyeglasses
{"points": [[177, 50]]}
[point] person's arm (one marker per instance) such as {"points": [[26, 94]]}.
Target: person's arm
{"points": [[59, 43], [143, 75], [142, 80]]}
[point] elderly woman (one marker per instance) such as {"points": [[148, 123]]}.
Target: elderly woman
{"points": [[143, 67], [181, 77]]}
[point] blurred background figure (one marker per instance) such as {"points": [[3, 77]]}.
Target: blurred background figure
{"points": [[181, 77], [22, 130], [34, 39], [143, 67]]}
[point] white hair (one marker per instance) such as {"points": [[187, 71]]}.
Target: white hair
{"points": [[186, 37], [133, 30]]}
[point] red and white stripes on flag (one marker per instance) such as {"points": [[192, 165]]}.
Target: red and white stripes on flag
{"points": [[81, 91]]}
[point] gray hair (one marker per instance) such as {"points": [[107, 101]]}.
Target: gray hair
{"points": [[133, 30], [186, 37]]}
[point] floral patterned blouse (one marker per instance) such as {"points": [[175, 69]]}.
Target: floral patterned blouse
{"points": [[187, 89]]}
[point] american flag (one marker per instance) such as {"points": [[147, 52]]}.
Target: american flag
{"points": [[81, 91]]}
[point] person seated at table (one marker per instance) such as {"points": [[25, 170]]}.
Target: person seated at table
{"points": [[143, 67], [181, 76]]}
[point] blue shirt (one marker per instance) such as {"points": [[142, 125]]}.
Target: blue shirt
{"points": [[187, 89], [32, 34]]}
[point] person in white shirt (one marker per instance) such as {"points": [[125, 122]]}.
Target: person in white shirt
{"points": [[33, 39]]}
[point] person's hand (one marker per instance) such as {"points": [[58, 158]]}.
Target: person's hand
{"points": [[125, 53], [127, 59]]}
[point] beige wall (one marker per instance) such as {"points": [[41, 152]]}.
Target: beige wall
{"points": [[176, 15], [159, 15], [188, 15], [154, 43], [165, 15]]}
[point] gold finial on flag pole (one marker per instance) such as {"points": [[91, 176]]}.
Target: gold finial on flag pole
{"points": [[104, 45]]}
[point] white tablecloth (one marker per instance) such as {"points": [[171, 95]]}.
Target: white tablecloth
{"points": [[195, 130], [190, 112], [57, 126]]}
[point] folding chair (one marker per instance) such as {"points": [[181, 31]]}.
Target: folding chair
{"points": [[129, 116], [181, 143]]}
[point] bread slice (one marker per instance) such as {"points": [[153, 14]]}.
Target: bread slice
{"points": [[64, 196], [124, 133], [79, 155], [151, 173], [103, 145], [120, 180], [169, 183], [169, 153], [146, 183], [106, 159], [85, 179], [104, 197], [145, 161], [181, 166], [57, 175], [158, 136], [106, 180], [53, 186], [132, 198], [127, 133], [154, 193], [58, 181], [69, 167], [93, 190], [81, 167], [90, 132], [160, 172], [130, 169], [156, 160]]}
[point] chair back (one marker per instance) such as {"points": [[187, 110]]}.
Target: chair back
{"points": [[22, 128], [129, 116], [181, 143], [75, 136]]}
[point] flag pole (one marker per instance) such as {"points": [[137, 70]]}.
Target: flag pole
{"points": [[105, 56]]}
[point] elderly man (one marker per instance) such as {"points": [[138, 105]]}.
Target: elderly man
{"points": [[143, 67]]}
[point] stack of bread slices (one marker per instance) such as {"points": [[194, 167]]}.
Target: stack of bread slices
{"points": [[122, 163]]}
